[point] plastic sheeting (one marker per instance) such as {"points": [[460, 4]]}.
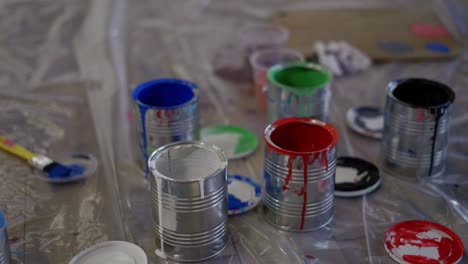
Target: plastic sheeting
{"points": [[69, 67]]}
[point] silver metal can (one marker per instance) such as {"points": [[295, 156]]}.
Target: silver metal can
{"points": [[298, 89], [4, 248], [300, 160], [416, 124], [189, 194], [166, 110]]}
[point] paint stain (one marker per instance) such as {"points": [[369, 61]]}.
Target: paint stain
{"points": [[423, 242], [437, 47], [295, 137], [425, 30], [395, 47]]}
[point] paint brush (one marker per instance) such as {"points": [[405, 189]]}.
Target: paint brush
{"points": [[53, 169]]}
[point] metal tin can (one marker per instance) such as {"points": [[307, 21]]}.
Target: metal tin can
{"points": [[4, 248], [166, 111], [189, 194], [300, 160], [298, 89], [416, 123]]}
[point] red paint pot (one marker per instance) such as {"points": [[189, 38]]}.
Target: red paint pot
{"points": [[300, 160]]}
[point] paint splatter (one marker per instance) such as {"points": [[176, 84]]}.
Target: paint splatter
{"points": [[437, 47]]}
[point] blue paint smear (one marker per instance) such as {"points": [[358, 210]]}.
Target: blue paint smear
{"points": [[437, 47], [395, 47], [161, 93], [2, 220], [59, 171], [235, 203]]}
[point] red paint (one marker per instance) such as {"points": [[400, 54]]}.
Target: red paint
{"points": [[450, 249], [159, 115], [9, 143], [309, 138], [430, 31], [130, 115]]}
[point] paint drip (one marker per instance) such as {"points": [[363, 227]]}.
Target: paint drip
{"points": [[201, 183]]}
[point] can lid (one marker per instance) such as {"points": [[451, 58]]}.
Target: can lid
{"points": [[83, 165], [366, 120], [236, 142], [243, 194], [116, 252], [355, 177], [418, 241]]}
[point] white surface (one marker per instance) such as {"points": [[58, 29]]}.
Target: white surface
{"points": [[348, 175], [115, 252]]}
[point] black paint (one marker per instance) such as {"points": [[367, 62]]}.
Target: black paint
{"points": [[431, 95]]}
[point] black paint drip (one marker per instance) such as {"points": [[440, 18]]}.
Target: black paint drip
{"points": [[437, 114]]}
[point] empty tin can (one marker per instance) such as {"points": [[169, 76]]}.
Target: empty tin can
{"points": [[166, 111], [189, 194], [416, 124], [300, 160], [298, 89], [4, 248]]}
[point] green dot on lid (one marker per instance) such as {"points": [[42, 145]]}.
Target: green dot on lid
{"points": [[300, 77]]}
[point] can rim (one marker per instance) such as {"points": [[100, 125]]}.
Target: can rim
{"points": [[394, 84], [149, 83], [3, 220], [271, 127], [220, 153], [309, 65]]}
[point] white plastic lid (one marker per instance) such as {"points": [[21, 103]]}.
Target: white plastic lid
{"points": [[115, 252]]}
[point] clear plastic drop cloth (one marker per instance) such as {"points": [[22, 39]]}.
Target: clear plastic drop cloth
{"points": [[67, 71]]}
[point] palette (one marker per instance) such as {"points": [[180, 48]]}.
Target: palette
{"points": [[384, 34]]}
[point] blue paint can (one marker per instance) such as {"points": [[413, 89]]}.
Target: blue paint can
{"points": [[4, 248], [166, 111]]}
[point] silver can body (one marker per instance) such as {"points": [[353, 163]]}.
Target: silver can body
{"points": [[292, 202], [285, 100], [4, 248], [415, 136], [189, 195], [158, 125]]}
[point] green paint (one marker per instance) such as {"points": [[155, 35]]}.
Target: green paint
{"points": [[301, 78], [248, 141]]}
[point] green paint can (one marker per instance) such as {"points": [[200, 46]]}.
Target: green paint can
{"points": [[298, 89]]}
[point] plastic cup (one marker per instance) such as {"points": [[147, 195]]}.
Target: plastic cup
{"points": [[261, 61], [257, 37]]}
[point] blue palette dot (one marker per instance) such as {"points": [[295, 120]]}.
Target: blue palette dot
{"points": [[437, 47]]}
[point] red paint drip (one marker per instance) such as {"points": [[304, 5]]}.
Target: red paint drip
{"points": [[9, 143], [324, 160], [159, 115], [305, 158], [289, 176]]}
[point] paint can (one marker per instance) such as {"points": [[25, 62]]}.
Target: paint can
{"points": [[298, 89], [166, 111], [416, 124], [300, 160], [189, 195], [4, 248]]}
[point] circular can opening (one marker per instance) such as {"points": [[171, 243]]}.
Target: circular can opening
{"points": [[187, 161], [164, 93], [300, 77], [421, 92], [300, 135]]}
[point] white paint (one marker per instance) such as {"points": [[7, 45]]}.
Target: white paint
{"points": [[348, 175], [118, 252], [433, 234], [160, 252], [242, 191], [201, 182], [226, 141], [429, 252], [373, 123]]}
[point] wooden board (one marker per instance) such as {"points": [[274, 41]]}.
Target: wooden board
{"points": [[365, 29]]}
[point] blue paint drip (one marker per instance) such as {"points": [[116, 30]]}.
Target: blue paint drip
{"points": [[235, 203], [161, 93], [59, 171]]}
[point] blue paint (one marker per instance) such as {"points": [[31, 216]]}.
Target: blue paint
{"points": [[234, 203], [437, 47], [59, 171], [395, 47], [157, 94], [3, 222]]}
